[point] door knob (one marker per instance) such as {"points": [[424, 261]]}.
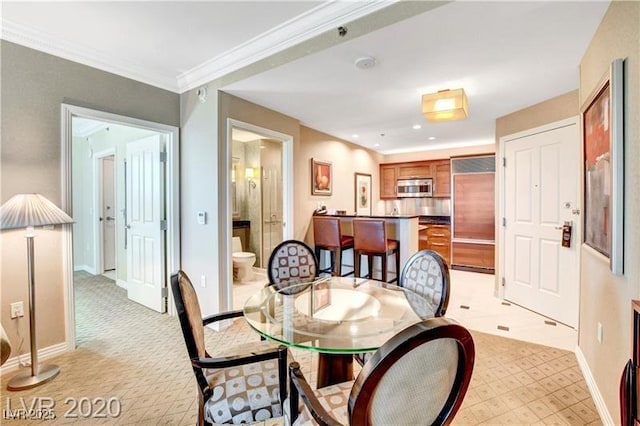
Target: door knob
{"points": [[109, 218]]}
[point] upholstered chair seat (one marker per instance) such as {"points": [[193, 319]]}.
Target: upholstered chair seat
{"points": [[327, 235]]}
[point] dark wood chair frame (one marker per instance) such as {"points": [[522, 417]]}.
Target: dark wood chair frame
{"points": [[367, 381], [335, 251], [199, 363], [629, 386]]}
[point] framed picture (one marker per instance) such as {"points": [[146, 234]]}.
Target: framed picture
{"points": [[603, 146], [321, 177], [363, 194]]}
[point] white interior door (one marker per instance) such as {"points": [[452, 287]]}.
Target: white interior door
{"points": [[542, 176], [145, 217], [108, 214]]}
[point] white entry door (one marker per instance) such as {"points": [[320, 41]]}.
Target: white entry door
{"points": [[542, 181], [145, 219]]}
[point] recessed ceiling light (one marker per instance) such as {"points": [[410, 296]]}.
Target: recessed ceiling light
{"points": [[376, 144], [432, 138], [355, 136], [417, 127]]}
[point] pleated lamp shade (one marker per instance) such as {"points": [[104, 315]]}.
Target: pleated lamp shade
{"points": [[23, 210]]}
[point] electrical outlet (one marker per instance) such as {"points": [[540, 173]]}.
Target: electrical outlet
{"points": [[17, 309], [600, 333]]}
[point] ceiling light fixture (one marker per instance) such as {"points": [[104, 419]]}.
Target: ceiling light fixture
{"points": [[417, 127], [355, 136], [445, 105], [432, 138]]}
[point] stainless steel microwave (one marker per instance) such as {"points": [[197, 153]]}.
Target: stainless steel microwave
{"points": [[415, 188]]}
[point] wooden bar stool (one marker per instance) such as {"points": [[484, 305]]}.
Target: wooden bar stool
{"points": [[370, 239], [327, 235]]}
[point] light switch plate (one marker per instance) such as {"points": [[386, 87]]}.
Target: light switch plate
{"points": [[202, 218]]}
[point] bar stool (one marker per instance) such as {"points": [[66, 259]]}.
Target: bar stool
{"points": [[370, 239], [327, 235]]}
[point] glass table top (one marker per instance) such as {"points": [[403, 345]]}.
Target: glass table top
{"points": [[341, 315]]}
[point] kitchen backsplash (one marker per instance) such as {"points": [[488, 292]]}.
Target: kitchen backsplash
{"points": [[419, 206]]}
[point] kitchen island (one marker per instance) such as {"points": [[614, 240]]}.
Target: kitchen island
{"points": [[403, 228]]}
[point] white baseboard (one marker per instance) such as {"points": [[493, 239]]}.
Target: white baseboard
{"points": [[86, 268], [122, 283], [605, 416], [43, 354]]}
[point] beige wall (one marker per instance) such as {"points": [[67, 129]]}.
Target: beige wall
{"points": [[34, 85], [554, 109], [346, 159], [605, 298]]}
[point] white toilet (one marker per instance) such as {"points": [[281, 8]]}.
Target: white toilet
{"points": [[242, 262]]}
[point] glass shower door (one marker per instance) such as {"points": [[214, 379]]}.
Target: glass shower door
{"points": [[272, 227]]}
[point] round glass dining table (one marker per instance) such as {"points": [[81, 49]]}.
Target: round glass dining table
{"points": [[335, 316]]}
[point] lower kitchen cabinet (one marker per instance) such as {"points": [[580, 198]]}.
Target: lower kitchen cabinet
{"points": [[477, 256], [436, 238]]}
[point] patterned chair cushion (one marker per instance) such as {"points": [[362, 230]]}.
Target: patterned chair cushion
{"points": [[424, 277], [243, 394], [292, 264], [333, 398]]}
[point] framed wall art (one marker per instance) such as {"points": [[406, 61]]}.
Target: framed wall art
{"points": [[363, 194], [603, 156], [321, 177]]}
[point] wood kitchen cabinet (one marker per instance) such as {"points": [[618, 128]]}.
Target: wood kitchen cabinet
{"points": [[441, 178], [388, 177], [417, 170], [438, 170], [436, 238]]}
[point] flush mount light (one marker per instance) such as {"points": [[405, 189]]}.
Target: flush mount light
{"points": [[417, 127], [376, 144], [445, 105], [432, 138], [355, 136]]}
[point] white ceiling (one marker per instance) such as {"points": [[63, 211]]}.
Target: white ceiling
{"points": [[507, 55]]}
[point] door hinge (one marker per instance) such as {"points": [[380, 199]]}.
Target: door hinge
{"points": [[163, 225], [504, 221], [503, 281], [504, 161], [163, 157], [165, 292]]}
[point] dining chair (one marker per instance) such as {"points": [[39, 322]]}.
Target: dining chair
{"points": [[327, 235], [628, 395], [419, 377], [291, 262], [240, 384], [426, 274], [370, 239]]}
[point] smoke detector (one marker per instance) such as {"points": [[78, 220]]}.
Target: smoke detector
{"points": [[365, 62]]}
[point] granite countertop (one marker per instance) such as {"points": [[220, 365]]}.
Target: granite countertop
{"points": [[435, 220], [387, 216]]}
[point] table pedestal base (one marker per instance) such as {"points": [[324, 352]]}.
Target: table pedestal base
{"points": [[334, 368]]}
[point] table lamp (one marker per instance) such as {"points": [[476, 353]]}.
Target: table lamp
{"points": [[27, 211]]}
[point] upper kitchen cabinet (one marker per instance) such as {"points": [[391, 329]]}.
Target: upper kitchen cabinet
{"points": [[438, 170], [441, 178], [388, 177], [417, 170]]}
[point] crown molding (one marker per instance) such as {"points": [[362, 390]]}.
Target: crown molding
{"points": [[54, 45], [321, 18]]}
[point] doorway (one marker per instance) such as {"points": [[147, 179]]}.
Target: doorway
{"points": [[541, 196], [106, 154], [259, 196]]}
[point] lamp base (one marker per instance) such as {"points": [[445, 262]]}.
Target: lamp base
{"points": [[26, 380]]}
